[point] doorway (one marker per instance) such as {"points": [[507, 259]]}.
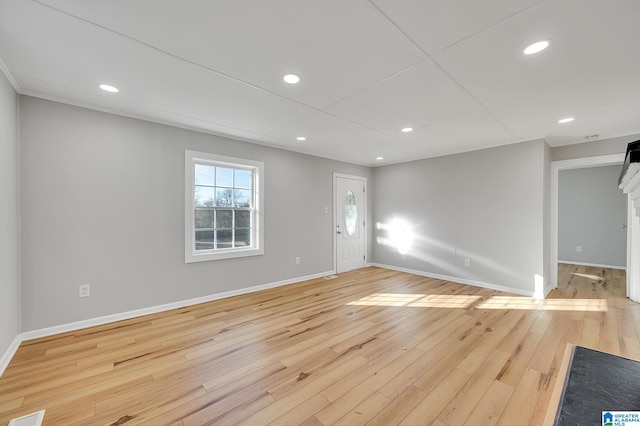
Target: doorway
{"points": [[556, 166], [592, 217], [349, 207]]}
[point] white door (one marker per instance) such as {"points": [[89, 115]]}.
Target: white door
{"points": [[350, 214]]}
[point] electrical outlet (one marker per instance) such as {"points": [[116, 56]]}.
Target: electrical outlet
{"points": [[579, 249], [298, 260], [326, 210], [467, 262], [83, 291]]}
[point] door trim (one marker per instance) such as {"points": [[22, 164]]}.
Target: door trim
{"points": [[337, 175]]}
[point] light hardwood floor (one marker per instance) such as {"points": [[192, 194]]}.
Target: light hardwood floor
{"points": [[370, 347]]}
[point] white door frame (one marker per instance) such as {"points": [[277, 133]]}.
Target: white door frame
{"points": [[633, 245], [335, 216], [578, 163]]}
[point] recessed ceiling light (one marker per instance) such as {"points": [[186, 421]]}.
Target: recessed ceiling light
{"points": [[379, 158], [536, 47], [291, 79], [407, 129], [109, 88], [566, 120], [301, 138]]}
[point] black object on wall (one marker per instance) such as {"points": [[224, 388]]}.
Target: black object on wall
{"points": [[631, 164]]}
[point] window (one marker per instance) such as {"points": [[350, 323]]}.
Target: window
{"points": [[223, 207], [350, 213]]}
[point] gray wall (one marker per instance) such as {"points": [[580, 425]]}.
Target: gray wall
{"points": [[487, 206], [591, 212], [9, 242], [593, 149], [103, 204]]}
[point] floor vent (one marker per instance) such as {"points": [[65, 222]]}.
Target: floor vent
{"points": [[33, 419], [330, 277]]}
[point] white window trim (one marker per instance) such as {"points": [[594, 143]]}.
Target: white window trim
{"points": [[257, 249]]}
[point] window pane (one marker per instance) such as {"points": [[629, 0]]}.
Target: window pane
{"points": [[225, 238], [205, 219], [224, 197], [205, 240], [243, 179], [243, 219], [204, 196], [243, 237], [243, 198], [350, 213], [224, 177], [224, 219], [204, 175]]}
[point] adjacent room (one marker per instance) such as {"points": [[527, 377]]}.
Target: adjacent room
{"points": [[315, 212]]}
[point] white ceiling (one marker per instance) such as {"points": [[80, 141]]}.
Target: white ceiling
{"points": [[451, 69]]}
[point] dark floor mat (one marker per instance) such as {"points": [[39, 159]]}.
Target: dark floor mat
{"points": [[598, 382]]}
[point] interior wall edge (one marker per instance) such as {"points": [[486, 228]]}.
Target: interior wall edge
{"points": [[7, 356], [9, 217], [9, 76], [19, 209]]}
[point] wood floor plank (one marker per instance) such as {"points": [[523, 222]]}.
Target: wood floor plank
{"points": [[413, 372], [471, 337], [523, 401], [542, 358], [303, 393], [492, 336], [608, 339], [556, 394], [546, 386], [590, 334], [430, 407], [379, 372], [372, 346], [11, 404], [462, 404], [394, 411], [517, 363], [302, 412], [491, 405]]}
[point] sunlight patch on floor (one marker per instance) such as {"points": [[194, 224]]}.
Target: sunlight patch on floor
{"points": [[462, 301], [417, 300], [589, 276], [521, 302]]}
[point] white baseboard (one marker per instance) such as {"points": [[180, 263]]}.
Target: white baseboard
{"points": [[595, 265], [92, 322], [5, 359], [547, 290], [457, 280]]}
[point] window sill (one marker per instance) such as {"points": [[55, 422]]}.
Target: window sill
{"points": [[222, 254]]}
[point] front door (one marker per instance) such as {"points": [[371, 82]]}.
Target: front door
{"points": [[350, 208]]}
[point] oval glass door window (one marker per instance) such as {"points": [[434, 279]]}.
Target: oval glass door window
{"points": [[350, 213]]}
